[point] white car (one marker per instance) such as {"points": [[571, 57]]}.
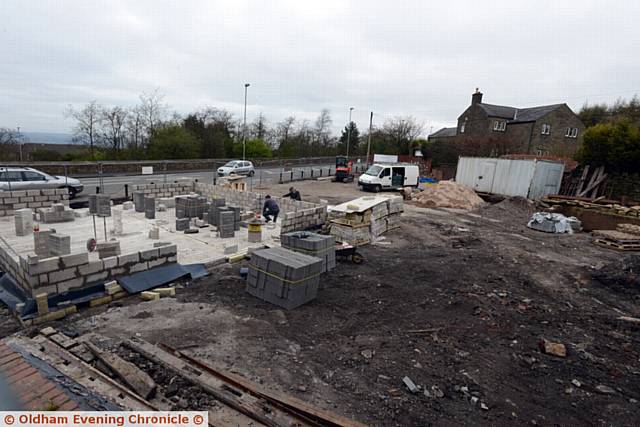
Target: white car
{"points": [[238, 167], [21, 178]]}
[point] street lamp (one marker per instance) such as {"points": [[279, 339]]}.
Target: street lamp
{"points": [[244, 127], [20, 143], [349, 131]]}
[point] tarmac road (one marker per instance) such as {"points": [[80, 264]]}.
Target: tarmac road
{"points": [[115, 185]]}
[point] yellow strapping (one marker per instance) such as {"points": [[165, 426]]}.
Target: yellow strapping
{"points": [[292, 282]]}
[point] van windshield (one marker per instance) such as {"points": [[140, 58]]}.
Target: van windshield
{"points": [[373, 170]]}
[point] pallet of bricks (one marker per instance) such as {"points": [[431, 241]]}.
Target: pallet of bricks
{"points": [[600, 204], [362, 226], [282, 277], [625, 238]]}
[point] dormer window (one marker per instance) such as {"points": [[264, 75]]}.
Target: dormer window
{"points": [[499, 126], [546, 129], [463, 125]]}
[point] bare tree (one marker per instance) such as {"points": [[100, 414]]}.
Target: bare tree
{"points": [[87, 127], [322, 128], [9, 139], [153, 110], [113, 126], [259, 128], [134, 129], [400, 132]]}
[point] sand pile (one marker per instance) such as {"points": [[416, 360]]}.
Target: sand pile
{"points": [[448, 194]]}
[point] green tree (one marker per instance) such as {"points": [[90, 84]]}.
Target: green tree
{"points": [[255, 149], [613, 145], [173, 142], [352, 134]]}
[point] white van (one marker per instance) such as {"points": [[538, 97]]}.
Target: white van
{"points": [[382, 176]]}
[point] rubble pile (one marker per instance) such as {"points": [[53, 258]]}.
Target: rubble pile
{"points": [[448, 194]]}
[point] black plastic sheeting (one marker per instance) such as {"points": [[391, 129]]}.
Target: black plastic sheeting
{"points": [[12, 295], [160, 276]]}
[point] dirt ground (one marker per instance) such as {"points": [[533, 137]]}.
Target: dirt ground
{"points": [[456, 301]]}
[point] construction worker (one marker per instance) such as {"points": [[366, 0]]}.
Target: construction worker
{"points": [[293, 194], [270, 209]]}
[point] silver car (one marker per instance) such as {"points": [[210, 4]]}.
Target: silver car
{"points": [[238, 167], [22, 178]]}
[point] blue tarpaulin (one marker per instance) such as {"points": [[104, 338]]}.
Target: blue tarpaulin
{"points": [[159, 276]]}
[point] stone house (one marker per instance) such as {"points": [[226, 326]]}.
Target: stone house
{"points": [[548, 130]]}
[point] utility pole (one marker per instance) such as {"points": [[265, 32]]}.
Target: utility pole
{"points": [[349, 132], [369, 136], [244, 127]]}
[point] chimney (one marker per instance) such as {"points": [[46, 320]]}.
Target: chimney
{"points": [[476, 98]]}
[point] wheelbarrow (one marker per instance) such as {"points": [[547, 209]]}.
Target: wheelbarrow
{"points": [[345, 251]]}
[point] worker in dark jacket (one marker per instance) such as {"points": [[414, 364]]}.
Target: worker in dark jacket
{"points": [[294, 194], [270, 209]]}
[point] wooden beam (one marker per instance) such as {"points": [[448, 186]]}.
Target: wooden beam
{"points": [[130, 374], [585, 173]]}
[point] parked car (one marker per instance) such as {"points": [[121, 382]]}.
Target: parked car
{"points": [[22, 178], [238, 167], [383, 176]]}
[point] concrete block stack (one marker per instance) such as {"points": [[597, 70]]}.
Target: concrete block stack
{"points": [[190, 206], [24, 221], [58, 212], [237, 213], [283, 277], [41, 242], [59, 244], [150, 207], [226, 224], [138, 201], [363, 226], [304, 219], [317, 245], [160, 190]]}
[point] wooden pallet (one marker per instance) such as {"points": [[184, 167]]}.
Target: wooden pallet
{"points": [[630, 229], [618, 236], [616, 246]]}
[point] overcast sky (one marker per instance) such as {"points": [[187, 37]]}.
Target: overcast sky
{"points": [[393, 57]]}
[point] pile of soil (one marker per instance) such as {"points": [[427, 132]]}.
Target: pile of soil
{"points": [[448, 194], [517, 208], [622, 275]]}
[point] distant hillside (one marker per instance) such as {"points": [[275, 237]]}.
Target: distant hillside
{"points": [[49, 137]]}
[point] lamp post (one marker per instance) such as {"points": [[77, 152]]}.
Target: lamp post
{"points": [[20, 143], [244, 127], [369, 137], [349, 132]]}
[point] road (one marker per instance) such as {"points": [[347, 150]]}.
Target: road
{"points": [[115, 185]]}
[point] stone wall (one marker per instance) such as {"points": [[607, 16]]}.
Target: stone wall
{"points": [[11, 201], [60, 274]]}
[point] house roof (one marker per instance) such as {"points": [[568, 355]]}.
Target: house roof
{"points": [[518, 115], [444, 132]]}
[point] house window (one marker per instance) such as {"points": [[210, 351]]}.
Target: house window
{"points": [[546, 129], [571, 133], [462, 127], [499, 126]]}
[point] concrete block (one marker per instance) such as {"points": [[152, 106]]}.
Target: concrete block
{"points": [[149, 296], [115, 272], [135, 268], [23, 221], [100, 301], [74, 260], [230, 249], [128, 259], [167, 250], [173, 259], [149, 254], [108, 249], [91, 268], [110, 262], [127, 206], [157, 262], [44, 266], [62, 275], [33, 192], [98, 277], [69, 284], [42, 302]]}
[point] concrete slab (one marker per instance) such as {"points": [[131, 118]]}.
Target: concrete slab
{"points": [[192, 248]]}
